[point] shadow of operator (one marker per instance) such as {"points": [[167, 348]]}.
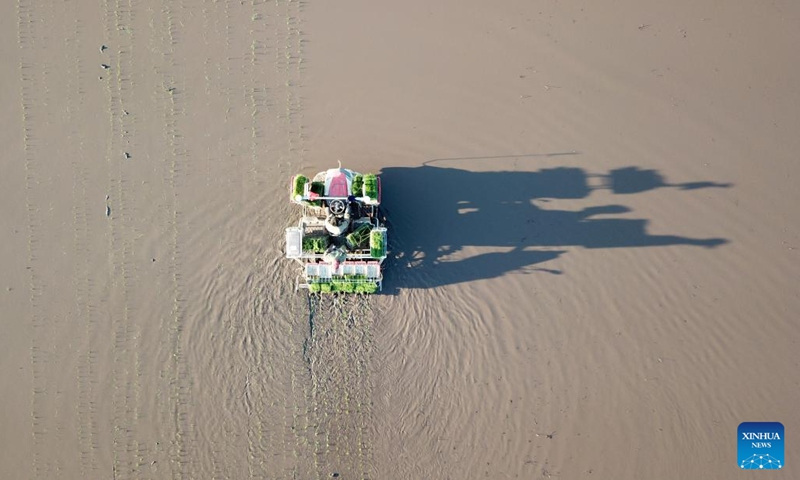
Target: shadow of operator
{"points": [[434, 212]]}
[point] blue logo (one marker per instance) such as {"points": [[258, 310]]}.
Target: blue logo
{"points": [[761, 446]]}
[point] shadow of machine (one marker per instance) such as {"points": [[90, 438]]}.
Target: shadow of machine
{"points": [[435, 212]]}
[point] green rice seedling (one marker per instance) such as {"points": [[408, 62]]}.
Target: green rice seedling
{"points": [[357, 186], [299, 184], [316, 243], [367, 287], [347, 284], [377, 244], [371, 186]]}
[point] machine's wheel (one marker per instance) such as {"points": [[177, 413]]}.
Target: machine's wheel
{"points": [[337, 207]]}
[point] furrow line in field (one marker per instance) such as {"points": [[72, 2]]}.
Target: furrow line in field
{"points": [[208, 29], [320, 333], [296, 60], [287, 58], [254, 350], [257, 93], [306, 444], [230, 59], [123, 145], [183, 448], [295, 65], [124, 393], [124, 17], [85, 285], [117, 325], [348, 418], [364, 399], [252, 354], [273, 383], [262, 440], [289, 409], [165, 404], [211, 15], [86, 368], [258, 434], [282, 321], [30, 76]]}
